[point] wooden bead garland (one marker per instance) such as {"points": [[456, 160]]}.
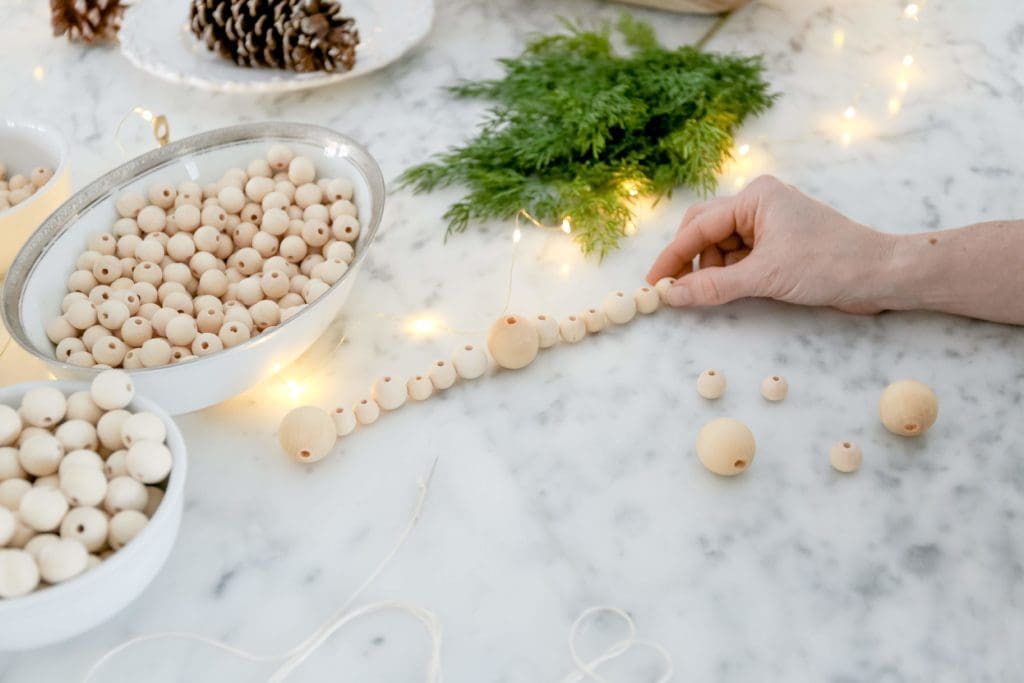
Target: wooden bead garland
{"points": [[908, 407], [307, 433], [619, 308], [172, 245], [513, 341]]}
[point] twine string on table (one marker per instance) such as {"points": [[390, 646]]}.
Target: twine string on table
{"points": [[587, 670]]}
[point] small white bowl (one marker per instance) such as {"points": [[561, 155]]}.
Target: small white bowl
{"points": [[62, 611], [24, 146], [36, 283]]}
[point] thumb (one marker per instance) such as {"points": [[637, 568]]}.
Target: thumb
{"points": [[714, 286]]}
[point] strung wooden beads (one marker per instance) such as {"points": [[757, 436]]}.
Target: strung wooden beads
{"points": [[307, 433], [619, 308], [389, 393], [513, 341]]}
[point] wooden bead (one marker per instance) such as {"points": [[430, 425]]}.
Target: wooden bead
{"points": [[547, 330], [232, 199], [162, 195], [19, 574], [307, 194], [82, 359], [40, 541], [59, 329], [40, 454], [293, 248], [82, 457], [711, 384], [389, 392], [12, 491], [68, 346], [124, 493], [81, 407], [40, 176], [116, 465], [155, 352], [129, 204], [344, 421], [62, 560], [845, 456], [594, 320], [301, 171], [82, 281], [124, 526], [331, 271], [87, 525], [908, 407], [8, 525], [213, 215], [83, 485], [258, 188], [187, 217], [774, 387], [307, 434], [210, 320], [339, 188], [419, 388], [725, 446], [43, 406], [279, 156], [151, 219], [647, 300], [108, 429], [314, 289], [10, 425], [367, 411], [470, 362], [103, 244], [143, 426], [338, 249], [343, 207], [148, 461], [513, 341], [107, 269], [265, 314], [77, 434], [345, 227], [112, 314], [112, 389], [233, 334], [662, 287], [275, 284], [619, 308], [43, 508], [81, 315], [10, 466], [442, 374], [572, 329], [206, 343], [181, 329]]}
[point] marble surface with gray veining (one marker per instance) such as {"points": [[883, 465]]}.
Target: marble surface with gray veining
{"points": [[574, 482]]}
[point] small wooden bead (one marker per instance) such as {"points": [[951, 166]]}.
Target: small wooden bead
{"points": [[307, 434], [12, 491], [213, 215], [594, 320], [187, 217], [81, 407], [10, 425], [442, 374], [155, 352], [647, 300], [109, 351], [162, 195], [331, 271], [390, 393], [231, 199], [72, 298], [148, 461], [136, 331], [60, 329], [277, 200], [112, 314], [301, 171], [40, 454], [513, 341], [343, 207], [152, 250], [93, 335], [344, 421], [116, 465], [725, 446], [238, 314], [42, 508], [10, 466], [100, 294], [108, 429], [68, 346], [845, 456], [81, 359], [293, 248], [43, 406], [82, 281], [307, 194], [279, 156], [143, 426], [125, 226], [619, 308], [258, 187], [81, 315], [908, 407], [547, 330], [774, 387], [419, 388], [129, 204], [103, 244], [85, 261], [314, 289], [367, 411], [265, 314], [206, 343], [233, 334], [82, 457], [83, 486], [62, 560], [18, 182], [572, 329], [210, 320], [317, 212], [338, 249], [151, 219], [19, 574], [274, 284], [178, 274], [124, 493], [266, 244], [662, 287], [258, 168], [311, 265], [40, 176], [339, 188], [87, 525], [130, 299], [8, 525], [76, 434], [345, 227], [124, 526], [112, 389], [107, 269], [205, 238], [470, 362], [711, 384]]}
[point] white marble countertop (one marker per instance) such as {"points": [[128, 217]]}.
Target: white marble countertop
{"points": [[574, 482]]}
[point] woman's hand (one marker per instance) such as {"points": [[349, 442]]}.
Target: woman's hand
{"points": [[773, 241]]}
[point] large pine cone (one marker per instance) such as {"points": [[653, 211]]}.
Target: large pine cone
{"points": [[87, 20], [300, 35]]}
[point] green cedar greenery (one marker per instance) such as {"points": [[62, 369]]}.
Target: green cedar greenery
{"points": [[576, 125]]}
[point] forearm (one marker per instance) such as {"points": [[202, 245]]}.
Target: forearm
{"points": [[975, 271]]}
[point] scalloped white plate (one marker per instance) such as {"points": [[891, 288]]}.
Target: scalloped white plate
{"points": [[155, 37]]}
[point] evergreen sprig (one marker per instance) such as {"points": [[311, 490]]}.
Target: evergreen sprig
{"points": [[576, 126]]}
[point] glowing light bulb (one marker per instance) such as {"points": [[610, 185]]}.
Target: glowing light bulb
{"points": [[295, 389], [838, 38], [908, 60], [911, 10], [744, 150], [423, 326], [565, 270], [902, 85], [894, 105], [741, 181], [276, 369], [38, 73], [847, 138], [849, 112], [630, 229], [566, 225], [517, 235]]}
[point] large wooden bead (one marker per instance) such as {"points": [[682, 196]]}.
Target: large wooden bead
{"points": [[470, 362], [87, 525], [908, 407], [10, 425], [43, 406], [390, 392], [547, 330], [619, 308], [513, 341], [124, 526], [725, 446], [112, 389], [43, 508], [845, 456], [711, 384], [307, 433], [62, 560]]}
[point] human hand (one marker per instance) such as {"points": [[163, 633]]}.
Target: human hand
{"points": [[772, 241]]}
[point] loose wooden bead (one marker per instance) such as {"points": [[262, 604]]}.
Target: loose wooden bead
{"points": [[124, 526], [265, 314], [153, 250], [40, 454], [301, 171], [279, 156], [233, 334], [112, 389], [82, 359], [86, 261], [210, 320], [367, 411], [12, 491], [76, 434], [470, 362], [316, 212], [238, 314], [311, 265], [419, 388], [43, 406], [116, 464], [155, 352], [108, 429], [213, 215], [339, 188], [338, 249], [442, 374], [332, 271], [206, 343], [187, 217], [130, 299], [908, 407], [266, 244], [103, 244], [151, 219], [390, 393], [107, 269], [513, 341], [307, 433], [112, 314], [725, 446], [83, 486], [148, 461], [82, 407], [100, 294], [619, 308], [343, 207], [307, 194], [82, 457], [136, 331], [19, 574], [162, 195], [258, 188], [205, 238], [40, 541], [274, 284], [72, 298], [314, 289], [345, 228], [93, 335], [547, 331], [87, 525], [662, 287], [143, 426], [10, 425], [10, 466], [59, 329], [232, 199], [8, 525], [572, 329], [594, 320], [62, 560], [81, 315], [40, 176], [43, 508], [293, 248], [711, 384], [344, 421], [129, 204], [845, 456], [258, 168], [647, 300], [774, 387], [82, 281], [68, 346], [124, 493]]}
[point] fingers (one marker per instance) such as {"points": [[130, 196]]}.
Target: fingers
{"points": [[711, 257], [714, 286], [709, 226], [734, 257]]}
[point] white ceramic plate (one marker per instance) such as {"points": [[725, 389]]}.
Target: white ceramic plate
{"points": [[155, 36]]}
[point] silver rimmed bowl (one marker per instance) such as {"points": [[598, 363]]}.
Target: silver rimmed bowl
{"points": [[36, 281]]}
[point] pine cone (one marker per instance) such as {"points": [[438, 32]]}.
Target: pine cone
{"points": [[300, 35], [88, 20]]}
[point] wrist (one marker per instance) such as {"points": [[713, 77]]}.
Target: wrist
{"points": [[904, 273]]}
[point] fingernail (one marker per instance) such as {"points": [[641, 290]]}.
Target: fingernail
{"points": [[679, 295]]}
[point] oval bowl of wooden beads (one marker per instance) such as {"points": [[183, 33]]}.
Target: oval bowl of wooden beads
{"points": [[35, 179], [202, 267], [85, 522]]}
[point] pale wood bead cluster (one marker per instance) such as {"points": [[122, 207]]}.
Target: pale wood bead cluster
{"points": [[18, 187], [80, 476], [308, 433], [189, 270]]}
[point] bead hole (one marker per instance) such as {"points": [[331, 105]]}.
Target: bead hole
{"points": [[910, 427], [846, 444], [739, 464], [711, 373], [511, 320], [304, 453], [775, 378]]}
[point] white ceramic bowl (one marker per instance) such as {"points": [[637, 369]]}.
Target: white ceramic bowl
{"points": [[37, 280], [24, 146], [59, 612]]}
